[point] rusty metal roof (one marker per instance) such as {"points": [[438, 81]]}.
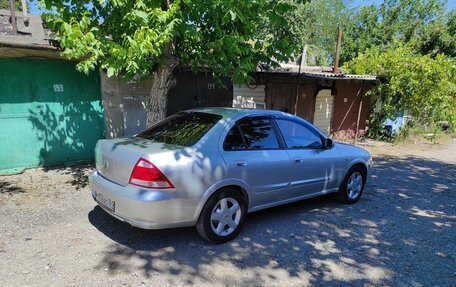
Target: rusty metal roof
{"points": [[340, 76], [320, 72]]}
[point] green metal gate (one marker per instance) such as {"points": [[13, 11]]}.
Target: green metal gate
{"points": [[49, 114]]}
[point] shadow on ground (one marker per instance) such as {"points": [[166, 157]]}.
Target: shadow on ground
{"points": [[79, 173], [402, 228], [7, 187]]}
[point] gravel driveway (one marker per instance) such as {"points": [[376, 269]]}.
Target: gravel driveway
{"points": [[401, 233]]}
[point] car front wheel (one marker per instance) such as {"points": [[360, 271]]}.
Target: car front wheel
{"points": [[352, 186], [222, 216]]}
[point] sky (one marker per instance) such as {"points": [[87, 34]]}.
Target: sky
{"points": [[451, 4]]}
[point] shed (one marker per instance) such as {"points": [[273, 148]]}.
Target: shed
{"points": [[335, 103]]}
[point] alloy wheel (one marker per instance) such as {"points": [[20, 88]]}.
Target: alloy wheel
{"points": [[354, 185], [225, 216]]}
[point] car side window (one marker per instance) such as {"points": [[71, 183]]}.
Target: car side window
{"points": [[298, 136], [251, 134], [234, 140]]}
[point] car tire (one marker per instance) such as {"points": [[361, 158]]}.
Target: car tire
{"points": [[352, 187], [222, 217]]}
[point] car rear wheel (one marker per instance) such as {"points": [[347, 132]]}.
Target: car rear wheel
{"points": [[222, 216], [352, 186]]}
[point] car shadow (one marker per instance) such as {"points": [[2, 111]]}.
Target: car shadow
{"points": [[408, 204]]}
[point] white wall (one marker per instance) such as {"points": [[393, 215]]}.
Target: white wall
{"points": [[244, 97]]}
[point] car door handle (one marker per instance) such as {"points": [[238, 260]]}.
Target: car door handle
{"points": [[298, 160], [241, 163]]}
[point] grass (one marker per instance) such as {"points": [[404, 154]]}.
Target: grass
{"points": [[422, 135]]}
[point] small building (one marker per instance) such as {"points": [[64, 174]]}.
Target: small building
{"points": [[335, 103], [50, 114]]}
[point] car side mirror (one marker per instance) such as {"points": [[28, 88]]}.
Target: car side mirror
{"points": [[329, 143]]}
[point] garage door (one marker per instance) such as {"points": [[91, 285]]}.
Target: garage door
{"points": [[49, 114]]}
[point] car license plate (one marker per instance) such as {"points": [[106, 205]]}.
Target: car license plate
{"points": [[105, 201]]}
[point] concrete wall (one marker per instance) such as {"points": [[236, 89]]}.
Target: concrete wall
{"points": [[116, 93], [30, 31]]}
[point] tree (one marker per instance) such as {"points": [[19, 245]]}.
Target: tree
{"points": [[143, 37], [383, 25], [320, 23], [390, 23], [439, 37], [423, 85]]}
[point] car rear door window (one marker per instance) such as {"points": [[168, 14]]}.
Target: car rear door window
{"points": [[298, 136], [251, 134], [184, 128], [234, 139]]}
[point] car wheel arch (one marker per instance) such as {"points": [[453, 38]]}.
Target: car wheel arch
{"points": [[361, 165], [240, 190], [238, 185]]}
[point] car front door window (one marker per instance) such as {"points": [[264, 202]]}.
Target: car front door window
{"points": [[297, 136]]}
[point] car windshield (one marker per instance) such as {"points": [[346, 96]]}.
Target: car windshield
{"points": [[184, 128]]}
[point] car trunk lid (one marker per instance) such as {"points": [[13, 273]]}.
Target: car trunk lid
{"points": [[116, 158]]}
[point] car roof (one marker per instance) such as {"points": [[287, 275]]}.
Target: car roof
{"points": [[232, 112]]}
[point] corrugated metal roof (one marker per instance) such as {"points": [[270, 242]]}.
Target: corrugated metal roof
{"points": [[321, 72], [341, 76]]}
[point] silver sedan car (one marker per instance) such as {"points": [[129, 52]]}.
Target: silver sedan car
{"points": [[210, 167]]}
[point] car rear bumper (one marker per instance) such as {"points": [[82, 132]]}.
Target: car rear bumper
{"points": [[142, 207]]}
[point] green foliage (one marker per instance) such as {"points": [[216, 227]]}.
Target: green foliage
{"points": [[5, 4], [410, 44], [423, 85], [438, 37], [135, 37], [319, 21], [423, 22], [390, 23]]}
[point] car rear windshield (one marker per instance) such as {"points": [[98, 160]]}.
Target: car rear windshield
{"points": [[184, 128]]}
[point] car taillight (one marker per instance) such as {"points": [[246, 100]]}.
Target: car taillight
{"points": [[146, 174]]}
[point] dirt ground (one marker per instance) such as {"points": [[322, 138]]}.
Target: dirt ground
{"points": [[401, 233]]}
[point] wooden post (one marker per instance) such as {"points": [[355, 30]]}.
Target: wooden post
{"points": [[359, 112], [13, 17]]}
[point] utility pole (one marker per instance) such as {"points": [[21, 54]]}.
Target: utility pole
{"points": [[339, 41], [303, 62]]}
